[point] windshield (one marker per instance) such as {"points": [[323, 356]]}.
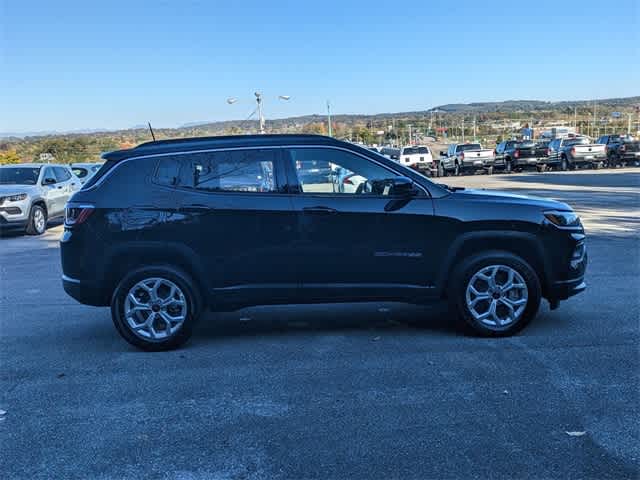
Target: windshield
{"points": [[469, 146], [415, 150], [19, 175]]}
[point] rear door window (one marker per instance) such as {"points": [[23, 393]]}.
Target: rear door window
{"points": [[247, 171]]}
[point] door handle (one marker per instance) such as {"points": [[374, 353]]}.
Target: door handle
{"points": [[320, 210]]}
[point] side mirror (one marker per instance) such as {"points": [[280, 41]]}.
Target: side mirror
{"points": [[397, 187], [49, 181]]}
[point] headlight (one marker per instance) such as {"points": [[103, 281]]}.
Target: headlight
{"points": [[13, 198], [563, 219]]}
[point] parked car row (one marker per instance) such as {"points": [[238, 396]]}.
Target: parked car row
{"points": [[32, 194], [565, 153]]}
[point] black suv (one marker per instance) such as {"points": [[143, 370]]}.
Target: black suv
{"points": [[169, 228]]}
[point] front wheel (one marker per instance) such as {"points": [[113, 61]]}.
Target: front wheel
{"points": [[155, 308], [508, 167], [456, 170], [495, 293], [564, 165], [440, 171], [37, 221]]}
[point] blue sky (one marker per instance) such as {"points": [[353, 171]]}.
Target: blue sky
{"points": [[110, 64]]}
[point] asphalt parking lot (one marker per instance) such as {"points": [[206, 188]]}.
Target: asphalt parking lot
{"points": [[340, 391]]}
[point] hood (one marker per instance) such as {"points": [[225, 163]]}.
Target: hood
{"points": [[6, 190], [512, 198]]}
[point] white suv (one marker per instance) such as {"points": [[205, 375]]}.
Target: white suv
{"points": [[31, 194]]}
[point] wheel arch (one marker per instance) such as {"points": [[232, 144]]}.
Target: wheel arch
{"points": [[522, 244], [130, 256]]}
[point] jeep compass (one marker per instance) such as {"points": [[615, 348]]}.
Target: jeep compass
{"points": [[170, 228]]}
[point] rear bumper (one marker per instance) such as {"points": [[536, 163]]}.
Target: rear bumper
{"points": [[83, 292]]}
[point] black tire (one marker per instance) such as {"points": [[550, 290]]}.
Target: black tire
{"points": [[564, 164], [35, 225], [175, 275], [440, 172], [490, 171], [456, 170], [508, 167], [463, 273]]}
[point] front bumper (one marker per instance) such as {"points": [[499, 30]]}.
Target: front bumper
{"points": [[14, 214]]}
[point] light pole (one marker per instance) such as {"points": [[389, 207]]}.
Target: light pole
{"points": [[261, 120], [329, 118]]}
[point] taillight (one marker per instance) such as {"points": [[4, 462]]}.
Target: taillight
{"points": [[516, 154], [77, 215], [347, 180], [573, 151], [547, 152], [623, 148], [461, 155]]}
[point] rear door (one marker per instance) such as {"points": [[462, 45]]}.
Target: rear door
{"points": [[238, 220], [357, 242]]}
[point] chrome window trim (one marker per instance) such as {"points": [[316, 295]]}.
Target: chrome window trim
{"points": [[252, 147]]}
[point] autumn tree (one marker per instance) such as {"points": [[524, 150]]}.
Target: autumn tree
{"points": [[9, 156]]}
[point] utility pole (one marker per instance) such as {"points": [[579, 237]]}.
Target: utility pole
{"points": [[410, 138], [575, 118], [260, 116], [474, 128], [595, 110], [329, 118], [629, 123], [462, 129]]}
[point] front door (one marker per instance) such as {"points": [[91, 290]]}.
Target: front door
{"points": [[354, 239]]}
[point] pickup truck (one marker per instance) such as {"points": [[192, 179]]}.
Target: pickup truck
{"points": [[418, 157], [518, 155], [465, 157], [621, 150], [570, 153]]}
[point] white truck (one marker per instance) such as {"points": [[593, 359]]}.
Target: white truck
{"points": [[465, 157], [418, 157]]}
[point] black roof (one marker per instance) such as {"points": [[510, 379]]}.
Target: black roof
{"points": [[204, 143]]}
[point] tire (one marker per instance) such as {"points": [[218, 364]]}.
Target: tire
{"points": [[440, 172], [37, 221], [564, 164], [485, 262], [490, 171], [508, 167], [456, 170], [187, 305]]}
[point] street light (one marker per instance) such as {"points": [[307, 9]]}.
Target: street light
{"points": [[261, 120]]}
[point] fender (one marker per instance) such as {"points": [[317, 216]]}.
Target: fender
{"points": [[511, 241], [143, 252]]}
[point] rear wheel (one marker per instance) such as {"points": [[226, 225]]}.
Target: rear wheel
{"points": [[155, 308], [37, 221], [456, 170], [495, 293], [440, 171], [508, 167], [564, 165]]}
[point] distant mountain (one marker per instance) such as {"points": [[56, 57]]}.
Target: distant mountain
{"points": [[530, 105]]}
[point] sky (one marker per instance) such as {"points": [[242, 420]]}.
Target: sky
{"points": [[70, 65]]}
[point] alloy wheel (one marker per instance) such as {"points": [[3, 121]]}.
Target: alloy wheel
{"points": [[155, 308], [39, 221], [497, 296]]}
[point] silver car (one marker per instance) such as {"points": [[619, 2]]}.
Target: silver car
{"points": [[31, 194]]}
